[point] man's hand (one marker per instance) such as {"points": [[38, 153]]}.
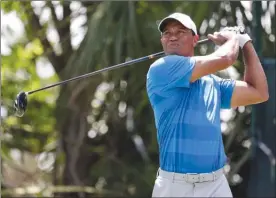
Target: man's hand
{"points": [[222, 58], [219, 38]]}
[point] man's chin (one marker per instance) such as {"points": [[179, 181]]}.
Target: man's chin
{"points": [[172, 53]]}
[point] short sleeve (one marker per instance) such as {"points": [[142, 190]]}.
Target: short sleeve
{"points": [[170, 72], [226, 88]]}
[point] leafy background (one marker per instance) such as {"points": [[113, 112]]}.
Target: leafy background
{"points": [[97, 136]]}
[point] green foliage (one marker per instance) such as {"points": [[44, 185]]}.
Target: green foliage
{"points": [[19, 73], [33, 132]]}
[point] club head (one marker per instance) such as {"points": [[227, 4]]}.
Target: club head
{"points": [[240, 29], [20, 104]]}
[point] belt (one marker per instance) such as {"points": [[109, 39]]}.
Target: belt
{"points": [[192, 177]]}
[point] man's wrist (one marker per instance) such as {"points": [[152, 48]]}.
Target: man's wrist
{"points": [[243, 39], [247, 45]]}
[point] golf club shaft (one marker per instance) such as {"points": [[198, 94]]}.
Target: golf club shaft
{"points": [[156, 55]]}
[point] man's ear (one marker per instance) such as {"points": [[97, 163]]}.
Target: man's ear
{"points": [[196, 38]]}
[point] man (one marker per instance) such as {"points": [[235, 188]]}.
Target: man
{"points": [[186, 98]]}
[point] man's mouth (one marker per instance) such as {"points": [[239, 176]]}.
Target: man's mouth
{"points": [[173, 45]]}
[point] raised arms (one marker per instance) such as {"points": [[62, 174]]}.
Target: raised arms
{"points": [[253, 89], [222, 58]]}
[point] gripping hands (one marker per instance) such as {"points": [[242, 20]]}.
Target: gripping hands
{"points": [[227, 33]]}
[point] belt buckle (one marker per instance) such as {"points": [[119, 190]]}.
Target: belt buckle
{"points": [[186, 177], [193, 175]]}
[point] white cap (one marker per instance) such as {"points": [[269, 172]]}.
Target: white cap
{"points": [[182, 18]]}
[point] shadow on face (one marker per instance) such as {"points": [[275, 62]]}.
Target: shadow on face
{"points": [[177, 39]]}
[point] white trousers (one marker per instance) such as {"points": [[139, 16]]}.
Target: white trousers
{"points": [[170, 187]]}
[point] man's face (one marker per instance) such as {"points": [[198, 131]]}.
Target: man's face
{"points": [[177, 39]]}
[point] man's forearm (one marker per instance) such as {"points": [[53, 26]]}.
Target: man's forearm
{"points": [[230, 48], [254, 74]]}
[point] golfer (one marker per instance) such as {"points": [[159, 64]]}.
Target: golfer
{"points": [[186, 98]]}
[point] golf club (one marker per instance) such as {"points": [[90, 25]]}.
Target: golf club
{"points": [[21, 101]]}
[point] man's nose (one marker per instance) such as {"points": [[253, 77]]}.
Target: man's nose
{"points": [[173, 37]]}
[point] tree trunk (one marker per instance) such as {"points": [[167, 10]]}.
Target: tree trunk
{"points": [[71, 116]]}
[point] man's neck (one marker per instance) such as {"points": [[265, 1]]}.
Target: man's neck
{"points": [[186, 55]]}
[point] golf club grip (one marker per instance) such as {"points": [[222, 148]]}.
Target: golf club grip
{"points": [[156, 55]]}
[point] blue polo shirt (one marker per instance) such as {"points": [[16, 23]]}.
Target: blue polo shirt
{"points": [[187, 115]]}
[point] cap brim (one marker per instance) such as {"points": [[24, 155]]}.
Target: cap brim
{"points": [[164, 21]]}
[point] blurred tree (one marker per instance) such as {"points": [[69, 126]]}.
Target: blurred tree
{"points": [[263, 126], [101, 130]]}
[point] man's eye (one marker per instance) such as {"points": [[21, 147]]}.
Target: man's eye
{"points": [[183, 31]]}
